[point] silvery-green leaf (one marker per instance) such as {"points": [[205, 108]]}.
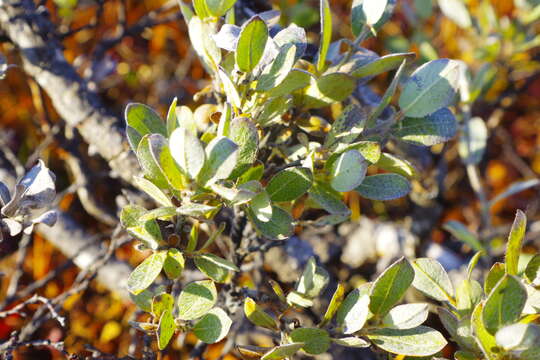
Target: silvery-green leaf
{"points": [[515, 240], [261, 205], [383, 64], [213, 326], [468, 294], [484, 339], [430, 130], [406, 316], [419, 341], [289, 184], [326, 33], [142, 120], [388, 95], [148, 232], [532, 271], [328, 89], [275, 74], [384, 187], [214, 267], [218, 8], [200, 34], [243, 133], [394, 164], [172, 120], [148, 154], [146, 272], [279, 227], [390, 286], [354, 311], [460, 232], [473, 141], [353, 341], [518, 336], [364, 12], [196, 299], [35, 190], [294, 298], [514, 188], [532, 306], [348, 171], [187, 151], [431, 87], [227, 37], [294, 35], [494, 275], [251, 44], [166, 329], [316, 341], [432, 280], [456, 11], [221, 159], [152, 190], [145, 298], [296, 79], [230, 89], [328, 199], [159, 213], [504, 304], [174, 263], [195, 209], [347, 127], [258, 316], [314, 279], [282, 351]]}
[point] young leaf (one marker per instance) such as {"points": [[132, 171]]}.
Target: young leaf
{"points": [[214, 267], [473, 141], [431, 87], [468, 295], [218, 8], [367, 12], [293, 35], [515, 239], [142, 120], [145, 298], [384, 187], [504, 304], [244, 134], [251, 44], [316, 341], [419, 341], [148, 154], [213, 326], [282, 351], [146, 272], [187, 151], [390, 286], [233, 97], [313, 281], [131, 214], [495, 274], [289, 184], [279, 227], [196, 299], [166, 329], [328, 89], [406, 316], [195, 209], [432, 129], [258, 316], [348, 171], [174, 264], [383, 64], [352, 341], [148, 233], [161, 303], [394, 164], [347, 127], [532, 271], [460, 232], [484, 339], [333, 307], [388, 95], [227, 37], [296, 79], [432, 280], [326, 34], [354, 311], [274, 74], [261, 206], [221, 155]]}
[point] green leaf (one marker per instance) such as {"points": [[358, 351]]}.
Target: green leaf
{"points": [[406, 316], [219, 8], [201, 9], [473, 262], [518, 337], [213, 237], [230, 89], [145, 298], [316, 341], [296, 79], [390, 286], [473, 141], [419, 341], [348, 171], [142, 120], [532, 271], [352, 341], [244, 134], [255, 173], [200, 34], [196, 299], [148, 154], [172, 121], [504, 304], [313, 281], [383, 64], [292, 35], [468, 295], [251, 44], [258, 316], [388, 95], [166, 329], [195, 209], [289, 184], [333, 307], [221, 159], [328, 199], [484, 339], [326, 33], [433, 129], [131, 214], [431, 87], [367, 12], [294, 298], [354, 311], [214, 267], [146, 272], [276, 73], [174, 264], [432, 280], [148, 233], [279, 227], [384, 187], [187, 151], [394, 164], [515, 239], [160, 212], [282, 351], [213, 326], [495, 274], [370, 150], [261, 206], [460, 232], [161, 303], [328, 89], [347, 127]]}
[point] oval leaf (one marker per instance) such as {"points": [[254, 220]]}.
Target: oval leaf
{"points": [[384, 187], [289, 184], [390, 286], [419, 341], [213, 326], [146, 272], [433, 129], [251, 44], [348, 171], [316, 341], [196, 299]]}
